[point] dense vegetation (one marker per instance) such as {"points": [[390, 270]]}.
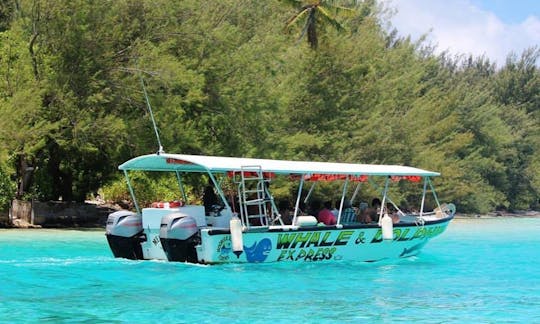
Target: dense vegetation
{"points": [[242, 78]]}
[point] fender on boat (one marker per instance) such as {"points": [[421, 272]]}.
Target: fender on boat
{"points": [[387, 227], [236, 236]]}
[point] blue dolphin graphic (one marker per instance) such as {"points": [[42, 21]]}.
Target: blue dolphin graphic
{"points": [[258, 252]]}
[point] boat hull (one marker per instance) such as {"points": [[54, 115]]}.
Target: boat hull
{"points": [[318, 244]]}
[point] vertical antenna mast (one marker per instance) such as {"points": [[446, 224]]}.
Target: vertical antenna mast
{"points": [[152, 116]]}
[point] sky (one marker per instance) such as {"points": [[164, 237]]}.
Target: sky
{"points": [[493, 28]]}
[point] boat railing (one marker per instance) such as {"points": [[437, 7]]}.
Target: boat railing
{"points": [[445, 210]]}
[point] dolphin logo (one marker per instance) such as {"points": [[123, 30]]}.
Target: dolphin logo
{"points": [[259, 251], [225, 248], [413, 250]]}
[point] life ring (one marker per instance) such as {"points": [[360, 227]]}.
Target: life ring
{"points": [[170, 204], [176, 204]]}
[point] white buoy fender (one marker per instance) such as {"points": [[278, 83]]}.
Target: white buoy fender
{"points": [[387, 227], [236, 236]]}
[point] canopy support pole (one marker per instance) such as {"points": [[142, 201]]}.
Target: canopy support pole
{"points": [[342, 200], [434, 194], [426, 179], [181, 185], [297, 205], [309, 192], [218, 188], [383, 203], [355, 192], [132, 193]]}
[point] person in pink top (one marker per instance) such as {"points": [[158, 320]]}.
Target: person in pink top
{"points": [[326, 216]]}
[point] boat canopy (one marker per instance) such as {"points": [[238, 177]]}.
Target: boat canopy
{"points": [[217, 164]]}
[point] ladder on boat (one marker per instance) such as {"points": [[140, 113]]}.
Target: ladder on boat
{"points": [[257, 207]]}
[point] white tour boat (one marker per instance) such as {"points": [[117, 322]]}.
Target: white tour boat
{"points": [[251, 228]]}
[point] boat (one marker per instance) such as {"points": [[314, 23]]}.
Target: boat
{"points": [[250, 228]]}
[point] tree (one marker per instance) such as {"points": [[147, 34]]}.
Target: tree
{"points": [[517, 88], [223, 80], [314, 15], [22, 126]]}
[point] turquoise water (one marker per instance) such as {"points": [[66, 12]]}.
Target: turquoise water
{"points": [[478, 271]]}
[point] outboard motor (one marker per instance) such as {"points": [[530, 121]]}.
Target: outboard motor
{"points": [[179, 235], [125, 233]]}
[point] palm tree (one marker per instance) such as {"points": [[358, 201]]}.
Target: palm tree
{"points": [[314, 14]]}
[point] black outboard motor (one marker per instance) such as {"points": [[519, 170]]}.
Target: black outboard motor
{"points": [[179, 235], [125, 233]]}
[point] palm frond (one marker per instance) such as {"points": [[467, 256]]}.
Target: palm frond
{"points": [[339, 10], [294, 3], [304, 30], [294, 19], [325, 15]]}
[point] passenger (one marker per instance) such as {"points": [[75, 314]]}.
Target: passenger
{"points": [[393, 213], [363, 206], [285, 212], [363, 216], [348, 215], [314, 207], [209, 199], [375, 210], [335, 210], [376, 203], [325, 216]]}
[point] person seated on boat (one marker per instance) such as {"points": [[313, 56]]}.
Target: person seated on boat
{"points": [[393, 213], [376, 204], [363, 207], [209, 199], [364, 216], [375, 209], [285, 211], [348, 215], [313, 208], [325, 216], [335, 210]]}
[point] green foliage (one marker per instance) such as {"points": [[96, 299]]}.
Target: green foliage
{"points": [[148, 188], [115, 190], [7, 188], [223, 79], [6, 13]]}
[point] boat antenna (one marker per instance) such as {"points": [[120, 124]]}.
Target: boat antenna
{"points": [[160, 150]]}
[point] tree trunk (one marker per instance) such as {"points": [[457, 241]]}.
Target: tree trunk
{"points": [[25, 173]]}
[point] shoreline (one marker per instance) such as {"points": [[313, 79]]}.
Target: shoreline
{"points": [[500, 214], [96, 227]]}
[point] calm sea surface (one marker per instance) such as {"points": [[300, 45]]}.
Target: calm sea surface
{"points": [[478, 271]]}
